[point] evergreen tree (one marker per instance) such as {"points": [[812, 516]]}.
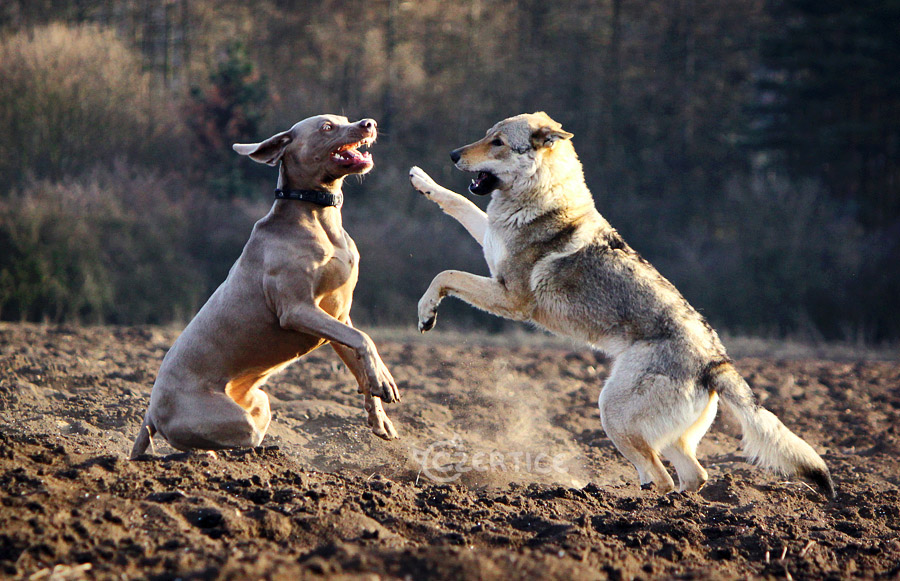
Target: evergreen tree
{"points": [[230, 110]]}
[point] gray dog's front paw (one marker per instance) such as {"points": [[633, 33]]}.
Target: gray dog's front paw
{"points": [[378, 420], [378, 379], [383, 428], [388, 393], [384, 387]]}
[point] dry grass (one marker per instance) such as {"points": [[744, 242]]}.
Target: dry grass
{"points": [[70, 97]]}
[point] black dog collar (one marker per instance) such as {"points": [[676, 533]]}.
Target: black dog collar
{"points": [[314, 196]]}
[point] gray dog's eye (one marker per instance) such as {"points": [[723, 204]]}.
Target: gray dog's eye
{"points": [[497, 142], [327, 126]]}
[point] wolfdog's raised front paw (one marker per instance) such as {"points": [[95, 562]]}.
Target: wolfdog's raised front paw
{"points": [[427, 324], [422, 181], [427, 313]]}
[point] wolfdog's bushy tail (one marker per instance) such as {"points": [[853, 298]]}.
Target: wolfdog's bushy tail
{"points": [[767, 442]]}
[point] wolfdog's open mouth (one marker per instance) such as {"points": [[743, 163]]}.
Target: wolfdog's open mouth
{"points": [[484, 183], [350, 155]]}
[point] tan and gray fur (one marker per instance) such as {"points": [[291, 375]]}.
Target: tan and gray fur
{"points": [[289, 292], [556, 262]]}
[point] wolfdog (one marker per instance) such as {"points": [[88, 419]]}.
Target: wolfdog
{"points": [[557, 263]]}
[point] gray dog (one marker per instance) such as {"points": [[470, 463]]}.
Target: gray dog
{"points": [[288, 293]]}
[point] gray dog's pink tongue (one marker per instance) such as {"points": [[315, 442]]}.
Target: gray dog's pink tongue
{"points": [[351, 157], [348, 155]]}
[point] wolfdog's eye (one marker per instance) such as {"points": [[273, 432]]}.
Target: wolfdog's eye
{"points": [[327, 126], [497, 142]]}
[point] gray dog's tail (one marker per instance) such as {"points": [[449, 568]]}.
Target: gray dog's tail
{"points": [[144, 437], [767, 442]]}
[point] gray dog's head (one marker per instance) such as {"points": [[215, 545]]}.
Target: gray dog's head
{"points": [[318, 151]]}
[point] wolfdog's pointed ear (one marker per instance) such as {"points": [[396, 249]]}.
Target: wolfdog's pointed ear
{"points": [[548, 133], [268, 151]]}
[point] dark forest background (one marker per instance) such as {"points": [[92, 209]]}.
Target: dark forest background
{"points": [[750, 149]]}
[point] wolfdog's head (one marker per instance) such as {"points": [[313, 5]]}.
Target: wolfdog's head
{"points": [[512, 150]]}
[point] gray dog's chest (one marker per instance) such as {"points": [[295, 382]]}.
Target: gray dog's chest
{"points": [[339, 273]]}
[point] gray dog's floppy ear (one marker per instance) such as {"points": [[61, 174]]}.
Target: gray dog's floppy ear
{"points": [[548, 133], [268, 151]]}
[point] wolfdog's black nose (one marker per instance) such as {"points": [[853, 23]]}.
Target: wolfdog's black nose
{"points": [[455, 155], [368, 124]]}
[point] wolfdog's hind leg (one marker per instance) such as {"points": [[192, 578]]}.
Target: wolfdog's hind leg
{"points": [[634, 447], [645, 459], [682, 452], [691, 475], [630, 420]]}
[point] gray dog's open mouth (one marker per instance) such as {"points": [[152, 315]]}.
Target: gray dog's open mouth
{"points": [[350, 155], [484, 183]]}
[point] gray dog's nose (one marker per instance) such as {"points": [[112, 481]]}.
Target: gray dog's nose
{"points": [[454, 155], [368, 124]]}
